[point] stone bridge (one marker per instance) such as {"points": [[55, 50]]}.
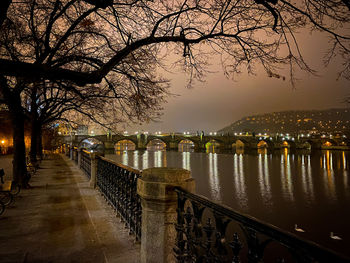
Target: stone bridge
{"points": [[200, 142]]}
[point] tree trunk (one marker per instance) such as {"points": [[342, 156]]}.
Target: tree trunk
{"points": [[13, 102], [20, 175], [34, 142], [40, 143], [35, 126]]}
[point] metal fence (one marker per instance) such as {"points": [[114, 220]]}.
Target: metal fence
{"points": [[85, 163], [208, 232], [118, 184], [75, 155]]}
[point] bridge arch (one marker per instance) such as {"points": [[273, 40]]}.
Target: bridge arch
{"points": [[289, 144], [213, 145], [186, 145], [92, 144], [156, 144], [124, 145]]}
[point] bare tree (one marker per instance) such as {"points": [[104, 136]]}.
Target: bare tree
{"points": [[93, 41], [247, 30]]}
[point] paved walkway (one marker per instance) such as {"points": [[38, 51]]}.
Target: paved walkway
{"points": [[61, 219]]}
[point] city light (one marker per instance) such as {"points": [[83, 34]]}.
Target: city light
{"points": [[3, 141], [136, 132], [126, 132], [210, 133]]}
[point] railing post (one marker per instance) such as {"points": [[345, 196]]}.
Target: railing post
{"points": [[79, 152], [159, 204], [93, 178]]}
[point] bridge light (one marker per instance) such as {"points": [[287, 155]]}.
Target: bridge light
{"points": [[235, 133], [302, 135], [240, 133], [146, 132], [210, 133], [185, 133], [214, 133], [270, 138], [259, 134], [292, 139], [136, 132], [188, 133]]}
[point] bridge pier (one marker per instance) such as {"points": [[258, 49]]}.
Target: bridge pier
{"points": [[109, 147]]}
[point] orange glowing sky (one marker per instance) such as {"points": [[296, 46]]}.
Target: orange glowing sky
{"points": [[219, 101]]}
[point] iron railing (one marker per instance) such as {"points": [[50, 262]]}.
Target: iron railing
{"points": [[208, 232], [85, 163], [118, 184], [75, 155], [67, 151]]}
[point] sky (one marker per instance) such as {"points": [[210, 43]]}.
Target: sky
{"points": [[219, 101]]}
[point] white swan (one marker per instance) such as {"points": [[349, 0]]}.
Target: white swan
{"points": [[332, 236], [296, 228]]}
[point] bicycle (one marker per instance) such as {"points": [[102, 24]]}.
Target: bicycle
{"points": [[6, 196], [2, 207], [15, 188]]}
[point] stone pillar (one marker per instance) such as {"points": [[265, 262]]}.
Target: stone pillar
{"points": [[159, 204], [93, 175]]}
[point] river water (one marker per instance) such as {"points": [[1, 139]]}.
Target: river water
{"points": [[282, 188]]}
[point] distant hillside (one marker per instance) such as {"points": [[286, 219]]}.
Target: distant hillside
{"points": [[330, 121]]}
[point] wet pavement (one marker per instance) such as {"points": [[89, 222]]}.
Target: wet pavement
{"points": [[62, 219]]}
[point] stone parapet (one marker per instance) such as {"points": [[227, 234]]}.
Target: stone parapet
{"points": [[159, 214]]}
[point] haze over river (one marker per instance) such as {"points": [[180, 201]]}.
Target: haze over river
{"points": [[282, 188]]}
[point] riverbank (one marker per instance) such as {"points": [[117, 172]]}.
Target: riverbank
{"points": [[61, 219]]}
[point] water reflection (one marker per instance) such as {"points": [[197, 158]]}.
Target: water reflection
{"points": [[328, 174], [286, 179], [214, 177], [136, 159], [281, 188], [125, 158], [145, 160], [186, 160], [264, 183], [306, 178], [239, 180], [157, 157]]}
